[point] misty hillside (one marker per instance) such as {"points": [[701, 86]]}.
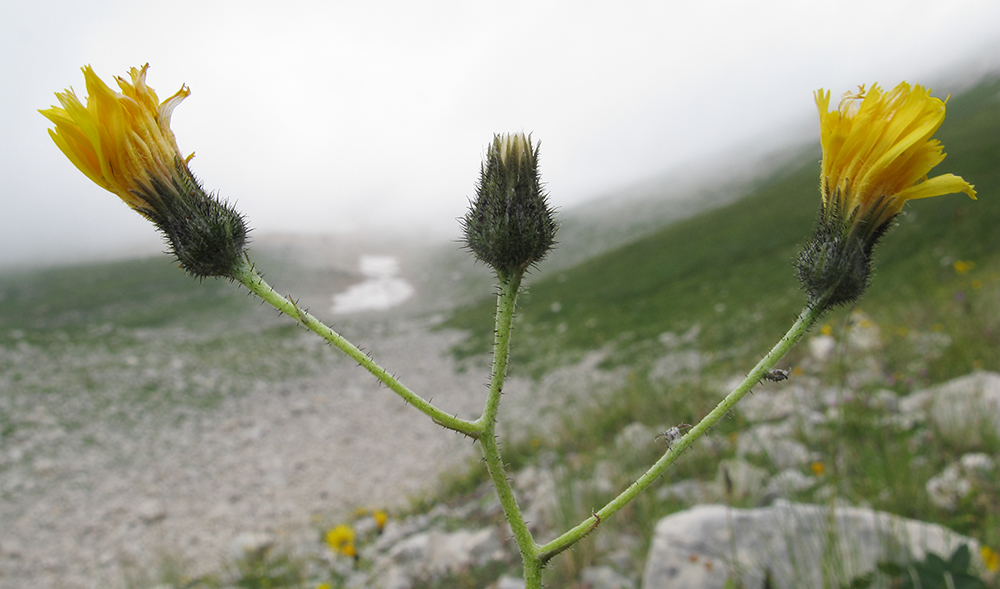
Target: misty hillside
{"points": [[630, 213], [132, 372], [730, 270]]}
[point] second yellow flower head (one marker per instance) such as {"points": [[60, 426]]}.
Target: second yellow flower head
{"points": [[877, 152]]}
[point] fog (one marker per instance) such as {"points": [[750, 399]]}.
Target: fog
{"points": [[372, 118]]}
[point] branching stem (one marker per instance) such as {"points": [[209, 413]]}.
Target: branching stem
{"points": [[534, 556], [247, 275], [805, 320]]}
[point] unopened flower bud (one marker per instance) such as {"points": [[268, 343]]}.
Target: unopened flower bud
{"points": [[123, 143], [510, 225], [877, 152]]}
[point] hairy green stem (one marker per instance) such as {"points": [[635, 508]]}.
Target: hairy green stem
{"points": [[506, 302], [805, 320], [534, 556], [247, 275], [525, 542]]}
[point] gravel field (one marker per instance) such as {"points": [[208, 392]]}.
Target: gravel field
{"points": [[88, 502], [93, 484]]}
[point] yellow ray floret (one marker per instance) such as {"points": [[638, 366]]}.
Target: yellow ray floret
{"points": [[877, 152], [121, 141]]}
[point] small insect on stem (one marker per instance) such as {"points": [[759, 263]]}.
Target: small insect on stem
{"points": [[776, 375], [673, 434], [596, 523]]}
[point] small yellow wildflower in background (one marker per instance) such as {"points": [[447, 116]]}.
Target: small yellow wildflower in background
{"points": [[341, 540], [962, 266], [381, 518], [990, 558], [324, 586], [818, 468], [827, 329]]}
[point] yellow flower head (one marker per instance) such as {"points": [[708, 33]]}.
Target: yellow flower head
{"points": [[123, 142], [341, 540], [877, 152]]}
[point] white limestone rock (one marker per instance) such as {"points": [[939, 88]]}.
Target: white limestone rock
{"points": [[774, 442], [789, 481], [957, 480], [604, 577], [744, 479], [507, 582], [963, 409], [252, 545], [433, 554], [703, 546]]}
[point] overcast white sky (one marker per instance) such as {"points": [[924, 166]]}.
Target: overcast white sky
{"points": [[370, 116]]}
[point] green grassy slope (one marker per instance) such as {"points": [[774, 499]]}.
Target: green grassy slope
{"points": [[140, 335], [731, 270], [149, 292]]}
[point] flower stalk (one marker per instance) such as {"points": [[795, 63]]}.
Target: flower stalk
{"points": [[248, 276], [506, 303], [807, 318]]}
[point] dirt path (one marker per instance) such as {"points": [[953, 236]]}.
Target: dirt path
{"points": [[82, 505], [127, 489], [268, 461]]}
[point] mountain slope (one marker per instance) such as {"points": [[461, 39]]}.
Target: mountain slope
{"points": [[730, 270]]}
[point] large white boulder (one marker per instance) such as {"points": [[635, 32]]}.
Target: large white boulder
{"points": [[799, 546]]}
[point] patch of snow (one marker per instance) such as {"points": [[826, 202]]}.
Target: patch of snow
{"points": [[382, 290]]}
